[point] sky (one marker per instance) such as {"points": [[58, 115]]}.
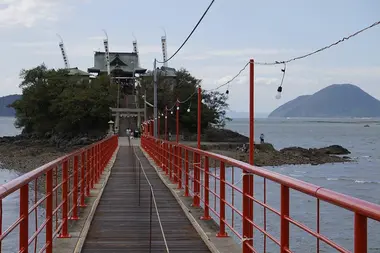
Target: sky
{"points": [[231, 33]]}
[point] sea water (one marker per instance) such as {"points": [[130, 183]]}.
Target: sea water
{"points": [[360, 179]]}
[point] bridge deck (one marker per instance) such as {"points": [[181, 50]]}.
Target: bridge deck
{"points": [[121, 225]]}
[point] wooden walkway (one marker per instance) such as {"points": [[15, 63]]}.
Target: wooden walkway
{"points": [[121, 225]]}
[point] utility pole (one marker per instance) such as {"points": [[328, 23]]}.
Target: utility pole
{"points": [[155, 96]]}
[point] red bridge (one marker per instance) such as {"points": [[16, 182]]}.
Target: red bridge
{"points": [[168, 197]]}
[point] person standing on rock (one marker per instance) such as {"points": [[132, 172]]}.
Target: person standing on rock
{"points": [[262, 138]]}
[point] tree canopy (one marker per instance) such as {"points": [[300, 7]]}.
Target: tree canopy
{"points": [[184, 88], [54, 102]]}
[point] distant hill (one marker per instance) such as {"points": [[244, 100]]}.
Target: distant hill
{"points": [[334, 101], [4, 102]]}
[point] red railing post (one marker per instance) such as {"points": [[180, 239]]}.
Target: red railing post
{"points": [[251, 139], [49, 211], [24, 216], [247, 211], [75, 190], [92, 179], [83, 180], [179, 167], [65, 202], [206, 215], [94, 165], [196, 165], [199, 117], [360, 233], [222, 204], [97, 162], [175, 163], [177, 122], [186, 173], [166, 123], [284, 236], [158, 126], [88, 172], [166, 158], [170, 162]]}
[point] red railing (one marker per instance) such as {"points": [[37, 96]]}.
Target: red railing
{"points": [[213, 181], [56, 190]]}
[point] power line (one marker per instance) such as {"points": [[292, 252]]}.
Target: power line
{"points": [[232, 79], [321, 49], [268, 63], [298, 57], [188, 37]]}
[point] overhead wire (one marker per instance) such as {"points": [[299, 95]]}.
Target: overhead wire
{"points": [[284, 62], [191, 33], [298, 57], [320, 49]]}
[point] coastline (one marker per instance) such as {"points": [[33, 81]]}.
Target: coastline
{"points": [[25, 153]]}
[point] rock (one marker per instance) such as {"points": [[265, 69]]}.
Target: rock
{"points": [[366, 125], [334, 150], [265, 147], [212, 134], [267, 155]]}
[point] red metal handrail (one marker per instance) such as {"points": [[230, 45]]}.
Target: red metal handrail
{"points": [[173, 158], [66, 182]]}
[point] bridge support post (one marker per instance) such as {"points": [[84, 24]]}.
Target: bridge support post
{"points": [[206, 215], [75, 191], [284, 237], [179, 167], [49, 212], [186, 173], [65, 229], [222, 204], [88, 171], [360, 233], [248, 179], [175, 152], [83, 180], [170, 162], [24, 216]]}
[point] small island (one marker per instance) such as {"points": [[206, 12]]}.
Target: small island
{"points": [[334, 101]]}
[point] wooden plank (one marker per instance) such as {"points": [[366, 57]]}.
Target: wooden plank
{"points": [[120, 224]]}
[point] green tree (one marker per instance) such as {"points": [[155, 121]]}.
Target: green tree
{"points": [[184, 87], [57, 103]]}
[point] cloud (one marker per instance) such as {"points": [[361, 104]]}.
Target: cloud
{"points": [[28, 13], [10, 85], [34, 44], [267, 81]]}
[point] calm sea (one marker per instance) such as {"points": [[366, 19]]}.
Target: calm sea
{"points": [[359, 179]]}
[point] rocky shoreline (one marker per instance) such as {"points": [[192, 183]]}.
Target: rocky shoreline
{"points": [[267, 155], [25, 153]]}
